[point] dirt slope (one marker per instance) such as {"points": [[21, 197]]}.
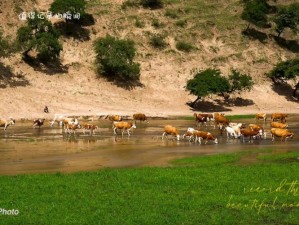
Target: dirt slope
{"points": [[163, 73]]}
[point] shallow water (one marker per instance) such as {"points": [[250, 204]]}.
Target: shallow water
{"points": [[27, 150]]}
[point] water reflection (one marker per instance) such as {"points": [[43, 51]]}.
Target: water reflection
{"points": [[26, 150]]}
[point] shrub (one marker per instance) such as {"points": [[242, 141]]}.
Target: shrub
{"points": [[39, 34], [114, 58], [4, 46], [239, 82], [285, 70], [172, 13], [130, 3], [72, 6], [181, 23], [157, 24], [139, 23], [157, 41], [183, 46]]}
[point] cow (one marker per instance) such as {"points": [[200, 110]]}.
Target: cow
{"points": [[121, 125], [279, 125], [5, 123], [71, 128], [237, 128], [205, 136], [114, 118], [70, 121], [140, 117], [201, 119], [261, 116], [89, 127], [38, 123], [221, 121], [230, 132], [282, 133], [256, 127], [190, 133], [250, 133], [279, 116], [168, 129], [58, 118]]}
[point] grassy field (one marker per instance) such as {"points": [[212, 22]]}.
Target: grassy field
{"points": [[219, 189]]}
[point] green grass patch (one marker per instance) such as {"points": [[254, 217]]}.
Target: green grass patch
{"points": [[209, 160], [199, 190], [281, 157], [248, 116]]}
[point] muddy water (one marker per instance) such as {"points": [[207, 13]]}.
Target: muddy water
{"points": [[27, 150]]}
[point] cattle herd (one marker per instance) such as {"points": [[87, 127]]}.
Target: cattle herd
{"points": [[219, 120]]}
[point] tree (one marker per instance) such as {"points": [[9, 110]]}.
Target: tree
{"points": [[255, 12], [285, 71], [40, 35], [68, 6], [115, 58], [239, 82], [210, 81], [207, 82], [287, 17]]}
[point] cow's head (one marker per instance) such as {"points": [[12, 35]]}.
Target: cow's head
{"points": [[12, 121]]}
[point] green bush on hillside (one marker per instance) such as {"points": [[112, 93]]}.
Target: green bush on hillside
{"points": [[39, 34], [114, 58], [184, 46], [4, 46], [157, 41]]}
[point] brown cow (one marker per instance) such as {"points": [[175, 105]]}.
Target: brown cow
{"points": [[123, 126], [190, 133], [279, 116], [201, 119], [250, 133], [221, 121], [261, 116], [279, 125], [259, 128], [89, 127], [168, 129], [206, 136], [71, 128], [38, 123], [114, 118], [5, 123], [283, 133], [140, 117]]}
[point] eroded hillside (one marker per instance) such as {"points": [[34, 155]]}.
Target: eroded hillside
{"points": [[212, 27]]}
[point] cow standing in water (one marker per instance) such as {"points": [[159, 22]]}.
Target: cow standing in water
{"points": [[5, 123], [140, 117]]}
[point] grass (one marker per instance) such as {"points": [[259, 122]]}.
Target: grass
{"points": [[196, 190], [247, 116], [184, 46]]}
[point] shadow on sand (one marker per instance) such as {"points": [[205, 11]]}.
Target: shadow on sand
{"points": [[206, 106], [49, 68], [9, 79], [286, 90]]}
